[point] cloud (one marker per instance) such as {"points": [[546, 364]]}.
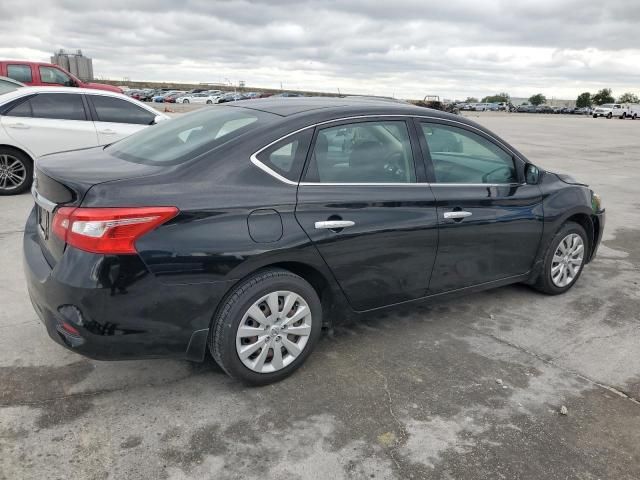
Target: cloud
{"points": [[406, 48]]}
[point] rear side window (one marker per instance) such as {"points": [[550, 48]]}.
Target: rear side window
{"points": [[287, 156], [365, 152], [116, 110], [182, 139], [60, 106], [22, 73]]}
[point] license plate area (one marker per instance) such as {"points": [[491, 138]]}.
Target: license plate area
{"points": [[43, 217]]}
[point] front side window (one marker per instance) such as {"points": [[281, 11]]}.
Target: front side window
{"points": [[60, 106], [461, 156], [287, 156], [182, 139], [116, 110], [55, 76], [21, 73], [364, 152]]}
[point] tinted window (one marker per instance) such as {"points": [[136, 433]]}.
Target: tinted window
{"points": [[460, 156], [22, 73], [53, 75], [183, 139], [62, 106], [287, 157], [366, 152], [22, 109], [109, 109]]}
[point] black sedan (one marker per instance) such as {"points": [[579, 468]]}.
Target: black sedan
{"points": [[244, 229]]}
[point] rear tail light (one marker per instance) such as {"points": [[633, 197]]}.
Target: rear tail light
{"points": [[108, 230]]}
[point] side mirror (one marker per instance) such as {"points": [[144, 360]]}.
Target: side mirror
{"points": [[158, 119], [531, 174]]}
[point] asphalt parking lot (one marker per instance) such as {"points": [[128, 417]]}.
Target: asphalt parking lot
{"points": [[469, 388]]}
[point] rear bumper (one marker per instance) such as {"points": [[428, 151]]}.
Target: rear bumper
{"points": [[116, 308]]}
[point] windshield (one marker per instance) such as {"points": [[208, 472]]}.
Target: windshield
{"points": [[181, 139]]}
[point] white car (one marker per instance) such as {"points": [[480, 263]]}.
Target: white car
{"points": [[610, 110], [204, 97], [35, 121]]}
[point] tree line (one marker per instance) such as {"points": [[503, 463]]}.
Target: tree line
{"points": [[585, 99]]}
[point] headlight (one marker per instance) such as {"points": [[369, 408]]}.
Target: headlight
{"points": [[596, 202]]}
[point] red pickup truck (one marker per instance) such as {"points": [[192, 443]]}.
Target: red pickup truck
{"points": [[37, 73]]}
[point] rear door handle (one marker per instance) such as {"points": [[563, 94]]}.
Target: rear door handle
{"points": [[334, 224], [457, 215], [20, 126], [108, 131]]}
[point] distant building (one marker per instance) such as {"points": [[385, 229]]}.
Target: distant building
{"points": [[75, 63]]}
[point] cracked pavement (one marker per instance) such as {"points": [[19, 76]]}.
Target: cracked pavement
{"points": [[411, 393]]}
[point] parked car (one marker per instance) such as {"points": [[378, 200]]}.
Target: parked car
{"points": [[633, 111], [171, 97], [197, 98], [9, 85], [583, 111], [610, 110], [46, 74], [229, 97], [36, 121], [222, 231], [526, 109], [544, 109]]}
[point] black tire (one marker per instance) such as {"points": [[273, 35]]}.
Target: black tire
{"points": [[27, 165], [623, 116], [609, 115], [209, 102], [185, 101], [595, 116], [544, 282], [222, 339]]}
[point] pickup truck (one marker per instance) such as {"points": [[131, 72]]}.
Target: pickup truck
{"points": [[46, 74], [611, 110]]}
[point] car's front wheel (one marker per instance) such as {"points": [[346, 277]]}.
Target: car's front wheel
{"points": [[16, 171], [185, 101], [267, 327], [564, 260]]}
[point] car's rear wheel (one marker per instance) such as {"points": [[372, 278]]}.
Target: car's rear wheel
{"points": [[266, 327], [564, 260], [185, 101], [609, 115], [16, 171], [623, 116]]}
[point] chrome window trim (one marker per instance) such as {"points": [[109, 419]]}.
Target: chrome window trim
{"points": [[276, 175]]}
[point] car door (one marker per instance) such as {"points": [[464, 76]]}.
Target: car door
{"points": [[490, 220], [367, 209], [116, 118], [50, 122]]}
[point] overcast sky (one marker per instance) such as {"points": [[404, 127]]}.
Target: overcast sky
{"points": [[406, 48]]}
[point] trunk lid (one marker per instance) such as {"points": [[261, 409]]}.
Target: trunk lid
{"points": [[64, 179]]}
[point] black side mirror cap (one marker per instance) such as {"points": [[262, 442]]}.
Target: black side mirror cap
{"points": [[532, 174]]}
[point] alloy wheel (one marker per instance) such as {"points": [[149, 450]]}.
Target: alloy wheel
{"points": [[567, 260], [13, 172], [274, 331]]}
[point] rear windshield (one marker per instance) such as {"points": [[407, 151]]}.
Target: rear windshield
{"points": [[181, 139]]}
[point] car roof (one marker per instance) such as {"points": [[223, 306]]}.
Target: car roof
{"points": [[41, 89], [288, 106]]}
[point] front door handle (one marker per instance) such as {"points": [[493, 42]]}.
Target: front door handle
{"points": [[108, 131], [457, 215], [334, 224], [20, 126]]}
